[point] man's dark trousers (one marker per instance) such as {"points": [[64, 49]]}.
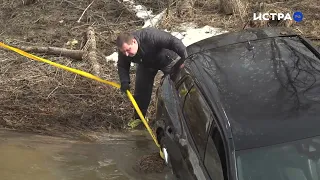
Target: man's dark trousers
{"points": [[144, 82], [143, 88]]}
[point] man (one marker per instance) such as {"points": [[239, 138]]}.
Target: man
{"points": [[153, 50]]}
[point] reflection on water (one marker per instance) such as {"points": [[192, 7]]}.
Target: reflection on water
{"points": [[32, 157]]}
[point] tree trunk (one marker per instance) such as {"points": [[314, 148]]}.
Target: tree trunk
{"points": [[91, 48]]}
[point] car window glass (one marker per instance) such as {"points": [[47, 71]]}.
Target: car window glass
{"points": [[186, 84], [212, 161], [178, 76], [215, 153], [198, 117], [294, 160]]}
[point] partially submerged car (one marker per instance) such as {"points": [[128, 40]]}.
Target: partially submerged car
{"points": [[246, 106]]}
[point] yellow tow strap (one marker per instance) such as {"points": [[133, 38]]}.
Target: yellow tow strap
{"points": [[88, 75]]}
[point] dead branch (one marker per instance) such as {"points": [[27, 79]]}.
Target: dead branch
{"points": [[74, 54], [168, 8], [28, 2], [84, 11], [88, 52]]}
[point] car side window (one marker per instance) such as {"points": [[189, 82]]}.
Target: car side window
{"points": [[183, 87], [215, 158], [198, 118]]}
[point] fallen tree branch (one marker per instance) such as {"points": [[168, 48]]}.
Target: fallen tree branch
{"points": [[88, 52], [74, 54]]}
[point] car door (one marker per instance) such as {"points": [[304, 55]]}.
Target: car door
{"points": [[171, 114], [198, 118]]}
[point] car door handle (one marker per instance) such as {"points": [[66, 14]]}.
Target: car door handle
{"points": [[169, 132]]}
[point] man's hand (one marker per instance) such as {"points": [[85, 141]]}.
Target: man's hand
{"points": [[124, 87], [179, 65]]}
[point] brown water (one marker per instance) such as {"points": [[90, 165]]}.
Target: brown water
{"points": [[32, 157]]}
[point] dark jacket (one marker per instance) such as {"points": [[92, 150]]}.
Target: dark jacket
{"points": [[151, 42]]}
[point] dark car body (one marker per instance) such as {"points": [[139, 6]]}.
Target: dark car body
{"points": [[246, 106]]}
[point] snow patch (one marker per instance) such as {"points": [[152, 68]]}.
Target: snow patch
{"points": [[153, 22], [113, 57], [193, 35]]}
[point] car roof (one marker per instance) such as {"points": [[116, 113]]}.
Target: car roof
{"points": [[268, 87], [239, 37]]}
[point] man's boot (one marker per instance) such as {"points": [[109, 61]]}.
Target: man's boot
{"points": [[136, 123]]}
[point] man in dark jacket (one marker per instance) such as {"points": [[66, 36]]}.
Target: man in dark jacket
{"points": [[152, 49]]}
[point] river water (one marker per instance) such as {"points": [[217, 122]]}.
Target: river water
{"points": [[26, 156]]}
